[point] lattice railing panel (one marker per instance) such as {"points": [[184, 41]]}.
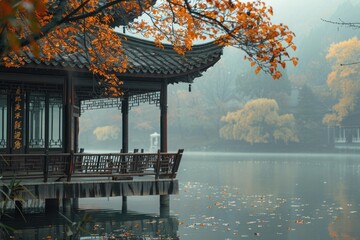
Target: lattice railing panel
{"points": [[134, 101]]}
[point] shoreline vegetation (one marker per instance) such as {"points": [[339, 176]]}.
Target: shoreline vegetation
{"points": [[255, 148]]}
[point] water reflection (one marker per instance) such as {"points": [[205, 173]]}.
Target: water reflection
{"points": [[235, 196], [102, 225], [269, 196]]}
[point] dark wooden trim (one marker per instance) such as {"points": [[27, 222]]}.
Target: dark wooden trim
{"points": [[76, 137], [163, 117], [64, 119], [68, 113], [125, 124], [47, 118], [27, 123], [9, 121]]}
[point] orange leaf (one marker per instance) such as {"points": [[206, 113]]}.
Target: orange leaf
{"points": [[271, 11], [257, 70], [289, 39], [278, 74], [252, 64], [295, 62]]}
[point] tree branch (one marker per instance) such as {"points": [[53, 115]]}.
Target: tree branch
{"points": [[93, 13], [342, 23], [57, 20], [348, 64]]}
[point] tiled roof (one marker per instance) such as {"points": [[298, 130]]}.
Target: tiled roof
{"points": [[145, 59]]}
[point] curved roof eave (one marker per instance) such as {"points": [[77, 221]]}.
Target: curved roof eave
{"points": [[145, 60]]}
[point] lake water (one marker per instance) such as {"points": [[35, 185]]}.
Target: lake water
{"points": [[233, 196]]}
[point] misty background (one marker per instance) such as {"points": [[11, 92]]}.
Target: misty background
{"points": [[195, 118]]}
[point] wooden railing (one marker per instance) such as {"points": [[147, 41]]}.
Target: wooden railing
{"points": [[60, 166]]}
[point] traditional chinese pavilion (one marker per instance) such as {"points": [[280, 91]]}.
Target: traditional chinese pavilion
{"points": [[40, 103], [40, 107]]}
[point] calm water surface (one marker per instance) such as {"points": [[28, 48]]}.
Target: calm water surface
{"points": [[235, 196]]}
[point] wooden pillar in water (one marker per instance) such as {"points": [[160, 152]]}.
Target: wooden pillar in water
{"points": [[125, 138], [51, 205], [164, 199]]}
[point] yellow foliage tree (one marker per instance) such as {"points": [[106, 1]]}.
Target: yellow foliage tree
{"points": [[344, 79], [47, 27], [259, 122]]}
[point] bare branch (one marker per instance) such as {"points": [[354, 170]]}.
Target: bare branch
{"points": [[93, 13], [343, 23], [348, 64]]}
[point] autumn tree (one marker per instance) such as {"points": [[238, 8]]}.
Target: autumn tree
{"points": [[259, 122], [344, 79], [47, 27]]}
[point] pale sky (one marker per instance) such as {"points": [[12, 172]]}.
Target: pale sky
{"points": [[302, 15]]}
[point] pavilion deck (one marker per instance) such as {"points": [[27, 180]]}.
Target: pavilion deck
{"points": [[55, 167], [55, 176]]}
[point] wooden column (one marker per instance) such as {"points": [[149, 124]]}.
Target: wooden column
{"points": [[76, 137], [9, 122], [125, 138], [164, 199], [68, 114], [69, 122], [125, 124], [163, 117], [47, 125]]}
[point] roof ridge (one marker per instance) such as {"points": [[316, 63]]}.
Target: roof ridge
{"points": [[140, 41]]}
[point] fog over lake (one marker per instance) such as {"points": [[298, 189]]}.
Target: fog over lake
{"points": [[239, 196]]}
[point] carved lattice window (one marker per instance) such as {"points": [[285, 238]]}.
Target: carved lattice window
{"points": [[37, 121], [55, 122]]}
